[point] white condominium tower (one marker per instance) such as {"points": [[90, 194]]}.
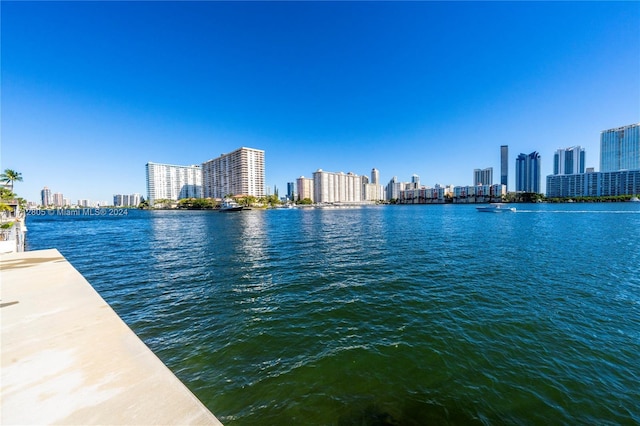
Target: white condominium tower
{"points": [[305, 188], [240, 172], [620, 148], [483, 176], [171, 182], [330, 187]]}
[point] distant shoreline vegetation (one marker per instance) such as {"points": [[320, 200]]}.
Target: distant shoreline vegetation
{"points": [[607, 199]]}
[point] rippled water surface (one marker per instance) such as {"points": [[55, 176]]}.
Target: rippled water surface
{"points": [[400, 315]]}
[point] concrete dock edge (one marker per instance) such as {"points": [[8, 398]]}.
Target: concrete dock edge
{"points": [[68, 358]]}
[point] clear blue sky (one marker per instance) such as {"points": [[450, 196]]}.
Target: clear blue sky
{"points": [[92, 91]]}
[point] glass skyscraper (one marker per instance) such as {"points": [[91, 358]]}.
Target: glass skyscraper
{"points": [[569, 161], [504, 165], [620, 148], [528, 173], [45, 196]]}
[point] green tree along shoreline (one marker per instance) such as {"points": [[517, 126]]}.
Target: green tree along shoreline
{"points": [[607, 199], [272, 201], [210, 203]]}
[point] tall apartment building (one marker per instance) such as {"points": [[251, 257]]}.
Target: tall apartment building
{"points": [[240, 172], [569, 161], [483, 177], [124, 200], [58, 199], [504, 165], [620, 148], [305, 188], [375, 176], [291, 191], [392, 191], [415, 182], [330, 187], [373, 191], [528, 173], [171, 182], [45, 197]]}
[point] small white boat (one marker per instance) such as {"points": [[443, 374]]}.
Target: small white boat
{"points": [[230, 206], [635, 199], [496, 208]]}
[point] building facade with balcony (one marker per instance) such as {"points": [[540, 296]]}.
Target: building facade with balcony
{"points": [[172, 182], [240, 172]]}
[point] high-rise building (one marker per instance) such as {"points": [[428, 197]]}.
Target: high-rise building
{"points": [[330, 187], [240, 172], [134, 200], [171, 182], [45, 197], [620, 148], [305, 188], [393, 189], [504, 165], [375, 176], [373, 191], [483, 177], [124, 200], [415, 182], [58, 199], [569, 161], [528, 173], [291, 191]]}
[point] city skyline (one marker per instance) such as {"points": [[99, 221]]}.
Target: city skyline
{"points": [[93, 91]]}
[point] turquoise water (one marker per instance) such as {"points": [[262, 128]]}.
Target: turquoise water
{"points": [[391, 315]]}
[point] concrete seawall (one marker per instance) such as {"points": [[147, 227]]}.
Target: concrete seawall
{"points": [[67, 358]]}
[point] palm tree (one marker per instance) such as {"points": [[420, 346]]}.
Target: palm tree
{"points": [[10, 176]]}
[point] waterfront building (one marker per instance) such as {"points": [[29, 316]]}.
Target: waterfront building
{"points": [[528, 173], [45, 197], [291, 191], [305, 188], [240, 172], [375, 176], [479, 193], [483, 177], [600, 184], [124, 200], [330, 187], [392, 191], [504, 165], [173, 182], [58, 199], [373, 192], [84, 203], [567, 161], [415, 181], [423, 195], [620, 148]]}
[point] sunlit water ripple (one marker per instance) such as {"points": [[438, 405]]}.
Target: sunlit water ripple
{"points": [[401, 315]]}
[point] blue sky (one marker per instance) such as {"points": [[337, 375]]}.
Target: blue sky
{"points": [[92, 91]]}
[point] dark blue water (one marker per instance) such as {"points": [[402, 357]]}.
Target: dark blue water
{"points": [[400, 315]]}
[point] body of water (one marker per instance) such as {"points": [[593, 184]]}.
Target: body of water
{"points": [[398, 315]]}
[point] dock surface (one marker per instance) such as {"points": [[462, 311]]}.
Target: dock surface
{"points": [[67, 357]]}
